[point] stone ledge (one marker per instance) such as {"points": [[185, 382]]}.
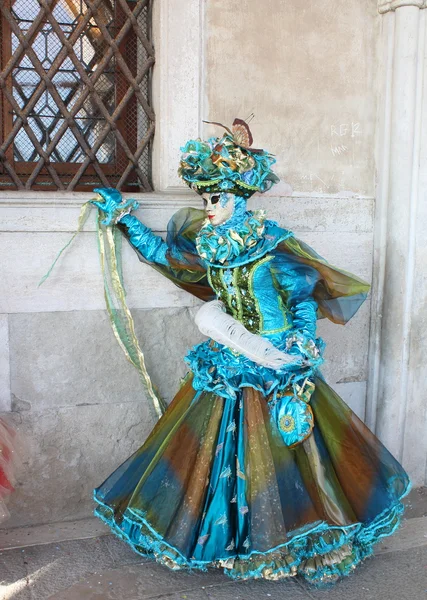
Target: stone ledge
{"points": [[156, 199], [32, 198], [30, 212]]}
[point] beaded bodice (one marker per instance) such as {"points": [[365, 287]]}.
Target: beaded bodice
{"points": [[249, 295]]}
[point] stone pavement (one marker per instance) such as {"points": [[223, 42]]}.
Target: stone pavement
{"points": [[97, 566]]}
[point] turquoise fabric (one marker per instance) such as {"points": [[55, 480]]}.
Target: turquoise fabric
{"points": [[152, 247], [219, 164], [269, 240], [269, 302], [218, 369], [294, 419], [226, 500], [219, 481], [113, 205], [148, 504]]}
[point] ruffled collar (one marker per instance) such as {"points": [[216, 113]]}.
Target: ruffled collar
{"points": [[227, 242]]}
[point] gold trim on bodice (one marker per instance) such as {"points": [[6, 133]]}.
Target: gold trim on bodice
{"points": [[234, 286]]}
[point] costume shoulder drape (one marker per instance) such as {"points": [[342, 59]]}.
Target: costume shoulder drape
{"points": [[299, 271], [182, 264], [302, 272]]}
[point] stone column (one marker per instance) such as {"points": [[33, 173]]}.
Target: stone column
{"points": [[397, 392], [178, 86]]}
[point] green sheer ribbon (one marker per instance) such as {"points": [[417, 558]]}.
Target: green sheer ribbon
{"points": [[122, 323], [109, 246], [84, 214]]}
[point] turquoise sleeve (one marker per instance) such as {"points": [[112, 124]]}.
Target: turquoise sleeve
{"points": [[151, 246]]}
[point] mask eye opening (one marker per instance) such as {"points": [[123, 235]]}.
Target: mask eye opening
{"points": [[215, 198]]}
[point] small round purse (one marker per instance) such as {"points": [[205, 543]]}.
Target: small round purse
{"points": [[292, 413]]}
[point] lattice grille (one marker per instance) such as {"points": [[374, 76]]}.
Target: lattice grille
{"points": [[74, 94]]}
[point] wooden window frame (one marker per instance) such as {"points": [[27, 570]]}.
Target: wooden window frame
{"points": [[45, 174]]}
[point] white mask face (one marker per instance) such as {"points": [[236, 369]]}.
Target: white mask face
{"points": [[219, 207]]}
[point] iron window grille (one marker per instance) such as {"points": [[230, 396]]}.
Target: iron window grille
{"points": [[75, 108]]}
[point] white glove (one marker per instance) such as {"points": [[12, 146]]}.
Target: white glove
{"points": [[213, 321]]}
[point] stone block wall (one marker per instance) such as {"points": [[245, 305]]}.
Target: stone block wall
{"points": [[325, 82], [64, 380]]}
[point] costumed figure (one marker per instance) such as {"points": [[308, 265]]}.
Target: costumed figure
{"points": [[10, 451], [257, 466]]}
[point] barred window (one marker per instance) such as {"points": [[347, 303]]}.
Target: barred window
{"points": [[75, 107]]}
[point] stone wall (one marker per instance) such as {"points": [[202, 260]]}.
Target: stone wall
{"points": [[398, 370], [66, 383], [306, 69]]}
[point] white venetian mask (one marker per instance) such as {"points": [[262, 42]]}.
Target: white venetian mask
{"points": [[219, 207]]}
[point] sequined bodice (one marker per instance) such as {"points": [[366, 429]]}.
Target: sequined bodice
{"points": [[248, 293]]}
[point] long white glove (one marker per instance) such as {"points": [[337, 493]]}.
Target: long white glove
{"points": [[213, 321]]}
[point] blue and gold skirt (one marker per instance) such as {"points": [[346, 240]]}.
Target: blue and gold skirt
{"points": [[214, 485]]}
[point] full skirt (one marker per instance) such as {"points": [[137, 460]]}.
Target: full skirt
{"points": [[215, 485]]}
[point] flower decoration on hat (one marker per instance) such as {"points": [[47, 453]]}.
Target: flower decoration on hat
{"points": [[227, 164]]}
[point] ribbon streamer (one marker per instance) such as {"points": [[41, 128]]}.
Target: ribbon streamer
{"points": [[109, 247], [84, 214]]}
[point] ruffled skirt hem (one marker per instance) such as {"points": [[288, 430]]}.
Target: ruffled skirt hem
{"points": [[321, 553]]}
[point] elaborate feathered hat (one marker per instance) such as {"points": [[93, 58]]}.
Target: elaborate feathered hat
{"points": [[227, 164]]}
